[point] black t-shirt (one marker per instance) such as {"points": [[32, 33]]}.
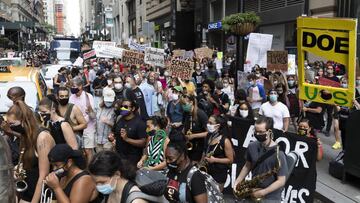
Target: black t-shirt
{"points": [[204, 104], [177, 185], [141, 103], [198, 78], [211, 74], [221, 99], [333, 78], [316, 119], [136, 129], [125, 94]]}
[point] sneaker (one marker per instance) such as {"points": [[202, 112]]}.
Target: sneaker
{"points": [[337, 145]]}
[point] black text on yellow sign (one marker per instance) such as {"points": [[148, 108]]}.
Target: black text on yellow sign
{"points": [[335, 40]]}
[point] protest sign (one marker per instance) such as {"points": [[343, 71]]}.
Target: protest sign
{"points": [[327, 82], [11, 54], [220, 55], [154, 56], [300, 187], [189, 55], [132, 57], [277, 61], [181, 68], [203, 52], [113, 52], [179, 53], [99, 45], [332, 39], [89, 54], [257, 49], [291, 64], [136, 46]]}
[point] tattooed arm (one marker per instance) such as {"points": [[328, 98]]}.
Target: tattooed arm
{"points": [[43, 146]]}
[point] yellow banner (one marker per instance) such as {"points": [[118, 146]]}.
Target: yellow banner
{"points": [[335, 40]]}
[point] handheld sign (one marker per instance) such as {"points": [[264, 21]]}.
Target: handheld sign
{"points": [[333, 39], [277, 61], [154, 56], [132, 57], [181, 68]]}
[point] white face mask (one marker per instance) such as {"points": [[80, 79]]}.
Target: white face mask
{"points": [[166, 73], [244, 113], [174, 97], [128, 85], [211, 128], [118, 86], [109, 82]]}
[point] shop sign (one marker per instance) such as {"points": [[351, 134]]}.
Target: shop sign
{"points": [[332, 39], [214, 26]]}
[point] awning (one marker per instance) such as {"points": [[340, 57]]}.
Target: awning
{"points": [[13, 26]]}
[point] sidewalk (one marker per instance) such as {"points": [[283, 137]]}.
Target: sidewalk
{"points": [[330, 189]]}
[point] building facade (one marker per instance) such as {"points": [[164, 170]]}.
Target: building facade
{"points": [[49, 12]]}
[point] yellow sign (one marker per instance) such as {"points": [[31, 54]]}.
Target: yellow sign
{"points": [[220, 55], [335, 40]]}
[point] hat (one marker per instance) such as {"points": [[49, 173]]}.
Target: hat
{"points": [[108, 94], [61, 153], [178, 88]]}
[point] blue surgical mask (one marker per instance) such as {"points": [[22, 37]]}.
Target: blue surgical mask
{"points": [[291, 83], [105, 189], [344, 85], [273, 98]]}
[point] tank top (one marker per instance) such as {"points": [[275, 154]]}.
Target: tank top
{"points": [[155, 149], [57, 133]]}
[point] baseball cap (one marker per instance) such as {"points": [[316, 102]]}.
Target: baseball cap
{"points": [[61, 153], [178, 88], [108, 94]]}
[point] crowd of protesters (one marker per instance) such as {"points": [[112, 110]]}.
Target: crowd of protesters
{"points": [[108, 119]]}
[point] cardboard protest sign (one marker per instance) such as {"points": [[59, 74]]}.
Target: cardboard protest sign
{"points": [[277, 61], [132, 57], [181, 68], [203, 52], [189, 55], [291, 64], [257, 49], [333, 39], [89, 54], [327, 82], [154, 56], [99, 45], [179, 53]]}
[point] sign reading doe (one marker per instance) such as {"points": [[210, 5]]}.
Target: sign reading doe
{"points": [[333, 39]]}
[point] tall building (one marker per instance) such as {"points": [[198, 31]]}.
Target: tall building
{"points": [[49, 12], [87, 11], [59, 16], [5, 10]]}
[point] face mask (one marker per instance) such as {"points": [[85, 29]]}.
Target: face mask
{"points": [[305, 64], [96, 68], [118, 86], [211, 128], [186, 107], [166, 73], [105, 189], [108, 104], [291, 83], [252, 83], [45, 117], [258, 74], [173, 165], [357, 82], [280, 92], [74, 90], [244, 113], [273, 98], [128, 85], [124, 111], [175, 97], [260, 137], [109, 82], [344, 85], [302, 132], [63, 102], [18, 128], [330, 71], [151, 133], [60, 172]]}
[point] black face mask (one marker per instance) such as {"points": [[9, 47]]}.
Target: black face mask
{"points": [[151, 133], [61, 172], [45, 117], [260, 137], [117, 112], [173, 165], [18, 128], [64, 102], [74, 90]]}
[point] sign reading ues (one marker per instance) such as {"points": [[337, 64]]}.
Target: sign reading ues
{"points": [[335, 40]]}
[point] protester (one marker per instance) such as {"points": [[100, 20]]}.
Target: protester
{"points": [[211, 73], [198, 76], [129, 131], [204, 98], [112, 176], [244, 111], [256, 94], [85, 102], [131, 84], [60, 79], [228, 90], [16, 93], [69, 178], [157, 141], [60, 130], [175, 112], [314, 113], [218, 150], [292, 100], [276, 110], [105, 120], [306, 130], [269, 189], [195, 121], [179, 166], [36, 143]]}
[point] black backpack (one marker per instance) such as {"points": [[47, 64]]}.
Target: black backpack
{"points": [[336, 166]]}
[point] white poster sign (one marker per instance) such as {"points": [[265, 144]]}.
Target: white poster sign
{"points": [[291, 64], [138, 47], [258, 46], [98, 46], [154, 56], [112, 52]]}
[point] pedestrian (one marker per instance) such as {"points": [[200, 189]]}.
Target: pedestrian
{"points": [[69, 178], [204, 98], [293, 102], [220, 100], [175, 112], [60, 79], [179, 165], [264, 146], [218, 150], [306, 130], [244, 111], [277, 111], [60, 130], [198, 76], [130, 83], [256, 94]]}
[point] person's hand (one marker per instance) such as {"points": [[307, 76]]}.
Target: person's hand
{"points": [[305, 109], [123, 134], [210, 159], [111, 137], [212, 100], [5, 126], [140, 164], [52, 181], [237, 182], [258, 193], [318, 142]]}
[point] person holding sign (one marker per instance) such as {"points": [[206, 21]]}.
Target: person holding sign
{"points": [[261, 157]]}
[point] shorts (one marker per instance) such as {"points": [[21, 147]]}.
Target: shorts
{"points": [[88, 138], [104, 147]]}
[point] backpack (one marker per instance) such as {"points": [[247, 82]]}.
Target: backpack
{"points": [[212, 188], [128, 197], [336, 166], [206, 106]]}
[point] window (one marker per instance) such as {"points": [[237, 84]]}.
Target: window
{"points": [[122, 10], [132, 27], [140, 2], [140, 23]]}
